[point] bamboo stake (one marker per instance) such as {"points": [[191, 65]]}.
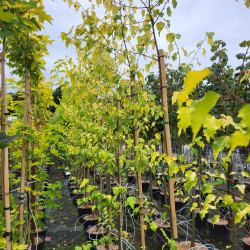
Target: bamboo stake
{"points": [[4, 153], [168, 142], [24, 147], [139, 182], [119, 180]]}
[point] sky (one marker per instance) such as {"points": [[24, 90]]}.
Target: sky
{"points": [[192, 19]]}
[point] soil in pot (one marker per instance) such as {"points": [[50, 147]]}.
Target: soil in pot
{"points": [[145, 186], [218, 231], [84, 210], [90, 220], [112, 246], [246, 243], [96, 232], [187, 245], [39, 243]]}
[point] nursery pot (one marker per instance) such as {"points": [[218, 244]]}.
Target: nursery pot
{"points": [[112, 246], [145, 186], [84, 210], [156, 193], [72, 188], [71, 183], [131, 179], [246, 243], [179, 203], [187, 245], [67, 174], [76, 197], [39, 243], [41, 232], [218, 231], [163, 198], [199, 223], [96, 233], [90, 220], [165, 226]]}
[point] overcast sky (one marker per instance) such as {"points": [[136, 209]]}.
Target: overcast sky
{"points": [[192, 19]]}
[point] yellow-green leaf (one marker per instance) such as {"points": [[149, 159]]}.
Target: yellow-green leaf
{"points": [[190, 83], [201, 109]]}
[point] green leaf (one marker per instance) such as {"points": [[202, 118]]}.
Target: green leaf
{"points": [[5, 140], [220, 144], [84, 182], [228, 200], [190, 83], [54, 152], [170, 37], [241, 188], [153, 226], [216, 218], [160, 26], [184, 116], [6, 16], [241, 214], [201, 109], [207, 188], [194, 205], [239, 139], [131, 201], [173, 169]]}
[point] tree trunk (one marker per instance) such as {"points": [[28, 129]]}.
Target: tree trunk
{"points": [[24, 148], [136, 144]]}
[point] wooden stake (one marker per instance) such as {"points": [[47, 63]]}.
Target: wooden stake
{"points": [[167, 140], [24, 147], [4, 152], [139, 182]]}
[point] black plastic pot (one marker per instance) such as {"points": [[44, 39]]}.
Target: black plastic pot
{"points": [[131, 179], [41, 233], [160, 238], [163, 198], [218, 231], [199, 223], [145, 186], [40, 245], [246, 243], [76, 197], [94, 234], [89, 220], [156, 193], [83, 210], [72, 188], [179, 203]]}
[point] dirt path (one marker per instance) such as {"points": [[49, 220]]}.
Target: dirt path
{"points": [[61, 227]]}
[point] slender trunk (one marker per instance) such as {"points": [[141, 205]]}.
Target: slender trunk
{"points": [[33, 172], [139, 182], [4, 152], [24, 148], [167, 141], [119, 179], [229, 186]]}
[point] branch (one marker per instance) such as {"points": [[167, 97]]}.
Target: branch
{"points": [[230, 92]]}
